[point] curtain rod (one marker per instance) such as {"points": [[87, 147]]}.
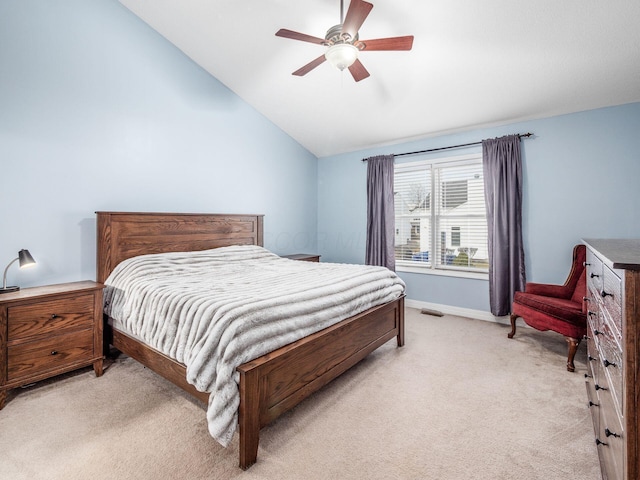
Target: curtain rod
{"points": [[447, 148]]}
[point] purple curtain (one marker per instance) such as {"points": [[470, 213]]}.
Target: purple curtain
{"points": [[380, 212], [502, 167]]}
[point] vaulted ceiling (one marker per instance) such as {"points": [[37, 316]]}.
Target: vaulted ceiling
{"points": [[473, 64]]}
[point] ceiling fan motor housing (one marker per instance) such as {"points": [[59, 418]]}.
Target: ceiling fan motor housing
{"points": [[335, 36]]}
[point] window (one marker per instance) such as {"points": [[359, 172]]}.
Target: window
{"points": [[441, 221], [455, 236]]}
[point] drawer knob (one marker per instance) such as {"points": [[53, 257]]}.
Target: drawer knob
{"points": [[598, 387], [591, 404], [54, 316], [586, 375], [591, 358], [607, 363], [585, 264], [609, 433], [600, 442], [54, 352], [597, 332], [606, 294], [594, 275], [591, 314]]}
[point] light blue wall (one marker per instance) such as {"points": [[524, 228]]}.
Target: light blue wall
{"points": [[99, 112], [581, 180]]}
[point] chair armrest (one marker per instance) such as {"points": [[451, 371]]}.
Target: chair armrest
{"points": [[547, 290]]}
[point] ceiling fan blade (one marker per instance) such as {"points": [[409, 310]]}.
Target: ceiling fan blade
{"points": [[358, 71], [283, 32], [309, 66], [391, 43], [356, 15]]}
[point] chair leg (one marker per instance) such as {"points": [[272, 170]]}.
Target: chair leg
{"points": [[513, 325], [573, 348]]}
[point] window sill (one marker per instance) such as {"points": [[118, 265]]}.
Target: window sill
{"points": [[443, 273]]}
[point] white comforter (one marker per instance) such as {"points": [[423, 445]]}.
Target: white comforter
{"points": [[217, 309]]}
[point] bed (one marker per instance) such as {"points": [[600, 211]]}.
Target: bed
{"points": [[272, 383]]}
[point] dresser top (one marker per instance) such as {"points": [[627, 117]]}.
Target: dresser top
{"points": [[622, 253]]}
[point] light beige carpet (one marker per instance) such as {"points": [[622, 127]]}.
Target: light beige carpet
{"points": [[459, 401]]}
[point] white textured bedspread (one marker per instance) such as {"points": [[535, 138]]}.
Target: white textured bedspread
{"points": [[217, 309]]}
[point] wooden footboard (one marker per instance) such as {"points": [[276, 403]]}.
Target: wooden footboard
{"points": [[274, 383]]}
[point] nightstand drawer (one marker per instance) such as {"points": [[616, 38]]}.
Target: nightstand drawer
{"points": [[49, 317], [34, 358]]}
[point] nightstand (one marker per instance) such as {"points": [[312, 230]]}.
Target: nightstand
{"points": [[305, 257], [46, 331]]}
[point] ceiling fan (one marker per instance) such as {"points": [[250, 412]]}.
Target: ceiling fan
{"points": [[344, 43]]}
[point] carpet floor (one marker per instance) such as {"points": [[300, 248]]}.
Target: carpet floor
{"points": [[458, 401]]}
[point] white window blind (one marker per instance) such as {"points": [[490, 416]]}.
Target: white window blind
{"points": [[441, 220]]}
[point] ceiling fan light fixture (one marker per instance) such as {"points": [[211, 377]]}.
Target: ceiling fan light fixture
{"points": [[341, 55]]}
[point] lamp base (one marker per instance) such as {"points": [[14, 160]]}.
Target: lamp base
{"points": [[9, 289]]}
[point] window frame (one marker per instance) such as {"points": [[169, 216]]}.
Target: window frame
{"points": [[432, 164]]}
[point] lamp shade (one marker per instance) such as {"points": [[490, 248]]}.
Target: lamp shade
{"points": [[25, 259], [341, 55]]}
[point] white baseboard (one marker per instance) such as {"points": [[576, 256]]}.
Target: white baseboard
{"points": [[460, 312]]}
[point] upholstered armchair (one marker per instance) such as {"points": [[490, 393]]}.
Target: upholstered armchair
{"points": [[559, 308]]}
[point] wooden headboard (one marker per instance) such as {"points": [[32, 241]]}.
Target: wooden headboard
{"points": [[121, 235]]}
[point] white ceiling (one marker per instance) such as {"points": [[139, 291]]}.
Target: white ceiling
{"points": [[473, 63]]}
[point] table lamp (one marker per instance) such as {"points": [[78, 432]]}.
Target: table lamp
{"points": [[26, 260]]}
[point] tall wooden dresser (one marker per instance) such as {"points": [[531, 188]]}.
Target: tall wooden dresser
{"points": [[613, 348]]}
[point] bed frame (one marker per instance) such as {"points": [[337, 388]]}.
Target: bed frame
{"points": [[273, 383]]}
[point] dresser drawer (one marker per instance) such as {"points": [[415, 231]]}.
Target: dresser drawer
{"points": [[49, 317], [56, 352], [594, 305], [594, 272], [602, 387], [593, 357], [611, 359], [612, 297], [599, 324], [612, 448], [592, 403], [608, 390]]}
